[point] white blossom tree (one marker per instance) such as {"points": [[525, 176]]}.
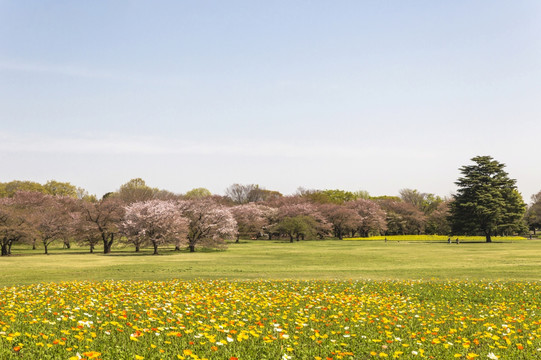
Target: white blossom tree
{"points": [[251, 219], [372, 217], [156, 222], [210, 224]]}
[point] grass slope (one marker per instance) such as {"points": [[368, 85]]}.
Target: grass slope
{"points": [[330, 259]]}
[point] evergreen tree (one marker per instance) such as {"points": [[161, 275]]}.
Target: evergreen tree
{"points": [[487, 200]]}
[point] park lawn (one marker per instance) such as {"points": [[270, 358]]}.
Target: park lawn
{"points": [[436, 238], [280, 260]]}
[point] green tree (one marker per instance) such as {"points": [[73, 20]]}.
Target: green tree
{"points": [[10, 188], [487, 200], [198, 193], [54, 187], [533, 214], [136, 190]]}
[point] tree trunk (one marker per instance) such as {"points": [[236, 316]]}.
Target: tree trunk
{"points": [[489, 239], [46, 248], [107, 245], [155, 244], [177, 247], [137, 247], [34, 244], [91, 248], [192, 248], [290, 238], [237, 240], [4, 250]]}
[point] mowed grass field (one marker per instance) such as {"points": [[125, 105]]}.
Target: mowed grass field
{"points": [[280, 260]]}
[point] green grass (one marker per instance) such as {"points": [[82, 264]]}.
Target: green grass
{"points": [[436, 238], [325, 260]]}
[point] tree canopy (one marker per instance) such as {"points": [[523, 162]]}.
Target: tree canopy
{"points": [[487, 200]]}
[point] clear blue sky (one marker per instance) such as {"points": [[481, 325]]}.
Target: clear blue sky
{"points": [[373, 95]]}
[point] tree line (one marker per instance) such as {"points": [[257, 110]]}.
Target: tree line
{"points": [[487, 202]]}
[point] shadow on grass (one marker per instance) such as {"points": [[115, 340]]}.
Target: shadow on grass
{"points": [[114, 253]]}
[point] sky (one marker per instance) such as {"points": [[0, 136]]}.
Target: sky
{"points": [[353, 95]]}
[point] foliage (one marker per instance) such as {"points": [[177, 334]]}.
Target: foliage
{"points": [[10, 188], [101, 219], [403, 218], [136, 190], [48, 216], [533, 214], [156, 222], [13, 225], [424, 202], [198, 193], [209, 224], [298, 220], [343, 219], [251, 219], [487, 200], [335, 196], [54, 187], [372, 217]]}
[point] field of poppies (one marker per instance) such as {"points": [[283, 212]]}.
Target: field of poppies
{"points": [[220, 319]]}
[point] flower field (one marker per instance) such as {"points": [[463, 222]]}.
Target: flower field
{"points": [[436, 238], [271, 320]]}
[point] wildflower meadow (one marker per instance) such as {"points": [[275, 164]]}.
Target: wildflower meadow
{"points": [[289, 319]]}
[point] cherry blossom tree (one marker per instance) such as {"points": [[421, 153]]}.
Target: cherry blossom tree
{"points": [[156, 222], [102, 219], [49, 216], [437, 221], [343, 219], [13, 225], [251, 219], [300, 220], [372, 217], [404, 218], [209, 224]]}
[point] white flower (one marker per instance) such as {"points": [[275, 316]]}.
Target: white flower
{"points": [[414, 352], [229, 339], [85, 323], [492, 356], [286, 357]]}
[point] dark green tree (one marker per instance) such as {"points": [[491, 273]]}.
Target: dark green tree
{"points": [[487, 200], [533, 214]]}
